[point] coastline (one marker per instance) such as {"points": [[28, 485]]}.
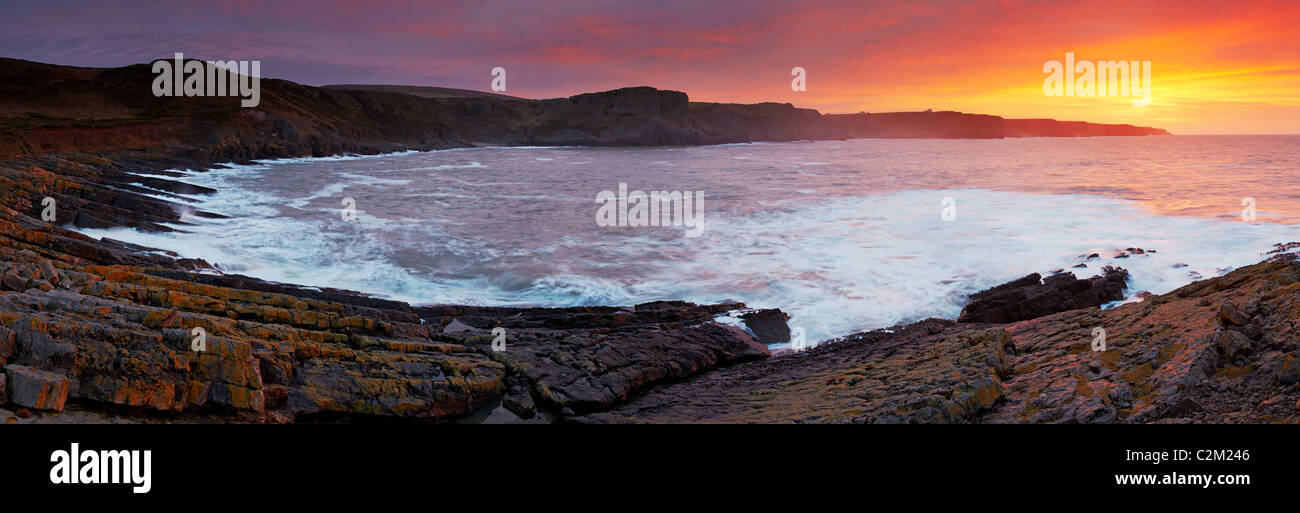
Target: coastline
{"points": [[280, 352], [101, 331]]}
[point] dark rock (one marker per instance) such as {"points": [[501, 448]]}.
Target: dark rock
{"points": [[1032, 296], [520, 402], [1286, 368], [8, 344], [456, 326], [36, 388], [12, 281], [1230, 315], [594, 365], [768, 325]]}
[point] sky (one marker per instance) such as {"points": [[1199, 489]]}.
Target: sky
{"points": [[1216, 67]]}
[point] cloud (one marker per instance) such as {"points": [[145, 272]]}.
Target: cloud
{"points": [[874, 56]]}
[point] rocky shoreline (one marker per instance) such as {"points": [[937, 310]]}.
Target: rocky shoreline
{"points": [[103, 331]]}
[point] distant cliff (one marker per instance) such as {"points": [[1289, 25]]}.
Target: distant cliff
{"points": [[947, 124], [57, 109], [1054, 128]]}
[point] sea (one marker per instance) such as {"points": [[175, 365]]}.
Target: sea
{"points": [[844, 236]]}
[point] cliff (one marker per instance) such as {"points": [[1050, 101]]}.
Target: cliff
{"points": [[57, 109], [1054, 128], [947, 124]]}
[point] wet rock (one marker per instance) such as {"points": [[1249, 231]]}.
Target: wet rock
{"points": [[520, 402], [590, 369], [36, 388], [768, 325], [455, 326], [1033, 296]]}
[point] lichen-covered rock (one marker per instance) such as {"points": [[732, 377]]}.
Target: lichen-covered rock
{"points": [[1173, 358], [35, 388]]}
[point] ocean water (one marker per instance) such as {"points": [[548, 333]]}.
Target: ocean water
{"points": [[843, 235]]}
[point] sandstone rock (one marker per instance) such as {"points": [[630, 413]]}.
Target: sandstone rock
{"points": [[35, 388]]}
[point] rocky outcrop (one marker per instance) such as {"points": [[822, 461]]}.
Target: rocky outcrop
{"points": [[171, 344], [933, 371], [1033, 296], [35, 388], [576, 360], [770, 326], [1218, 350]]}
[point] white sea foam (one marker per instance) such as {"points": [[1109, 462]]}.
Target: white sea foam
{"points": [[841, 250]]}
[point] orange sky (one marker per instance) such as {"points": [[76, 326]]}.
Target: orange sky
{"points": [[1219, 67], [1216, 69]]}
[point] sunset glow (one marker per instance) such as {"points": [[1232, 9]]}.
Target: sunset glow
{"points": [[1215, 70]]}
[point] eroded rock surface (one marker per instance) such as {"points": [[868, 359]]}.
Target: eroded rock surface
{"points": [[1219, 350], [122, 337]]}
